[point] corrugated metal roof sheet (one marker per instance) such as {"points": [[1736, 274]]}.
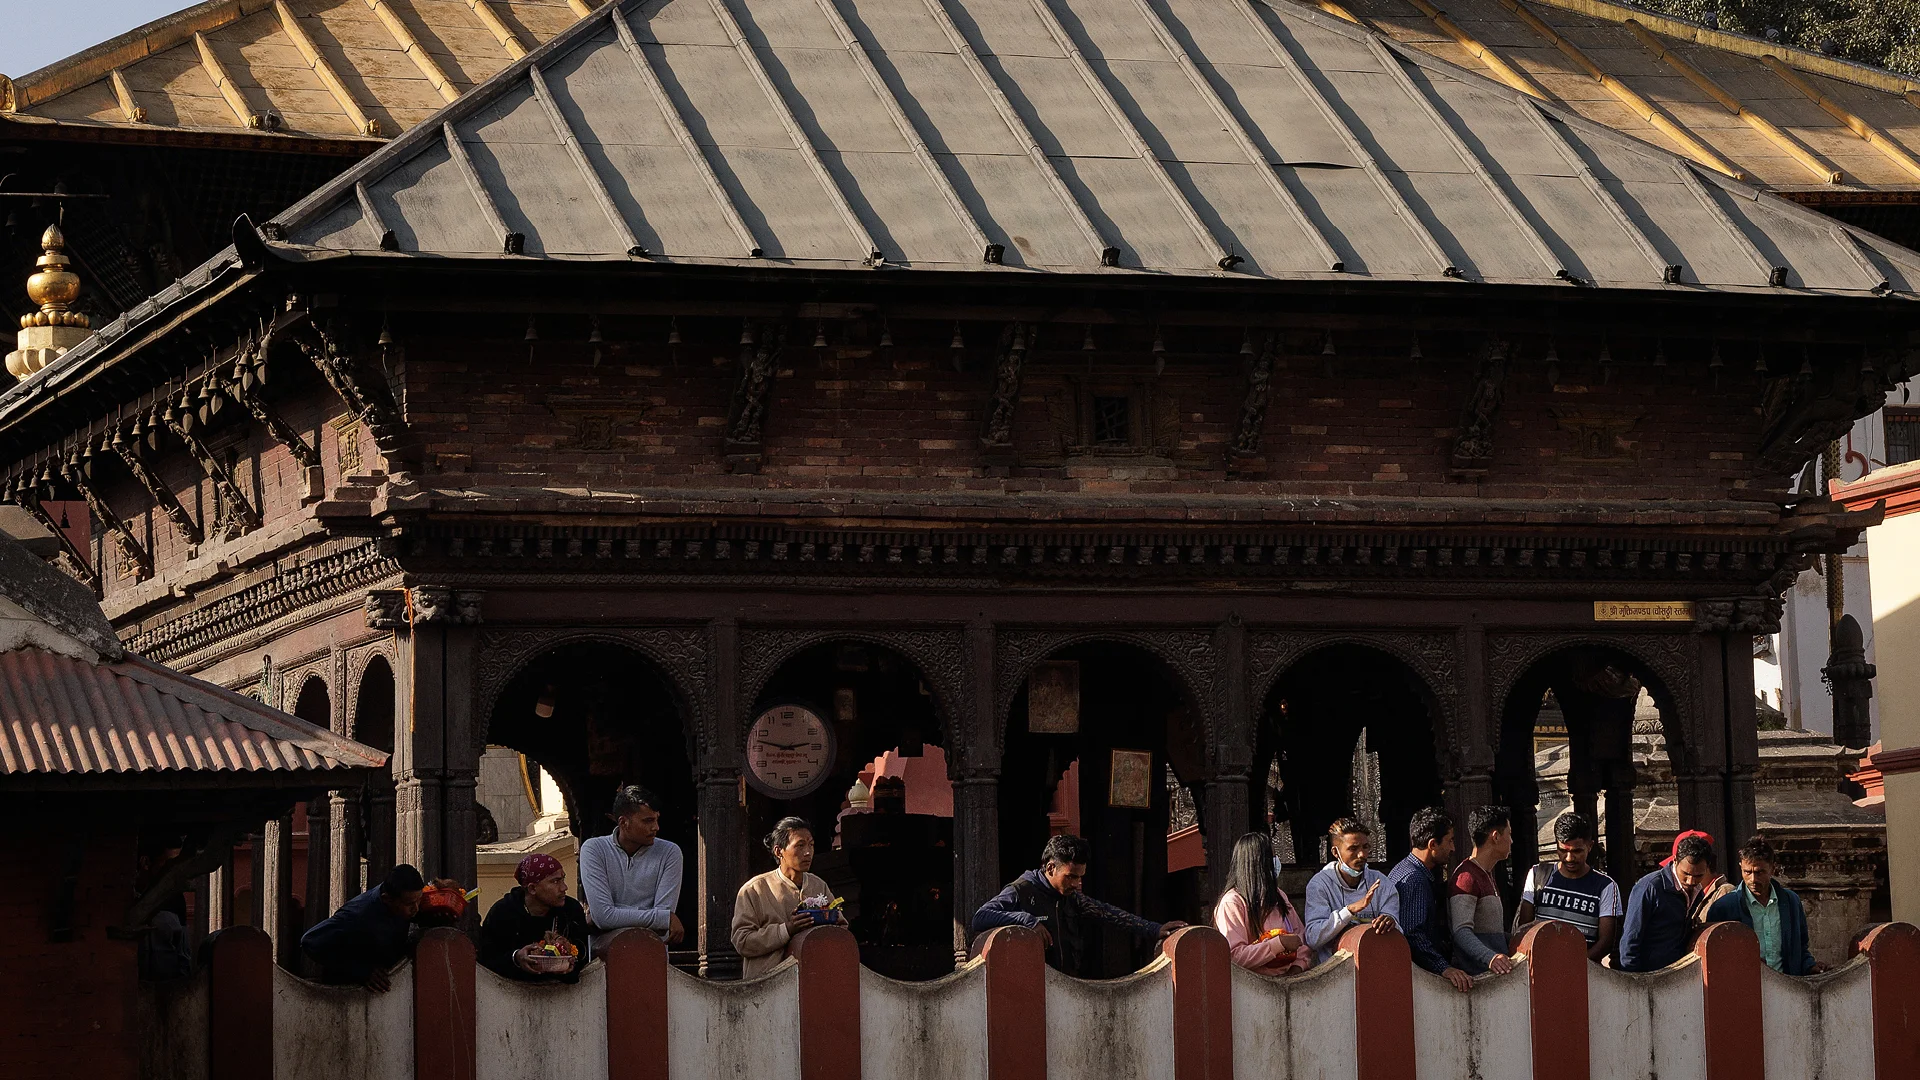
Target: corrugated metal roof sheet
{"points": [[60, 716], [1201, 137]]}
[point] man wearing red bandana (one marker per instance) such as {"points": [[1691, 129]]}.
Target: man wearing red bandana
{"points": [[537, 914]]}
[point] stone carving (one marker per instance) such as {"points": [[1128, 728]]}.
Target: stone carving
{"points": [[1253, 407], [681, 653], [1014, 342], [1737, 614], [439, 605], [161, 494], [1473, 446], [939, 654], [1850, 678]]}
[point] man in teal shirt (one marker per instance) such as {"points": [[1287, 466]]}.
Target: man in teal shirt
{"points": [[1772, 910]]}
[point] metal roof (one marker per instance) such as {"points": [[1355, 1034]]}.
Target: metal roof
{"points": [[1222, 138], [64, 717], [304, 70]]}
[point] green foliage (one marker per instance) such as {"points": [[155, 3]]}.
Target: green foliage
{"points": [[1884, 33]]}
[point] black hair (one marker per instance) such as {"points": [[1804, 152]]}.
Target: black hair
{"points": [[1574, 826], [403, 878], [1251, 875], [1429, 826], [783, 831], [1485, 821], [1065, 851], [1758, 850], [1345, 825], [1693, 847], [632, 797]]}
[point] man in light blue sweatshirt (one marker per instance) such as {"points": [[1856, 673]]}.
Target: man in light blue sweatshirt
{"points": [[1348, 892]]}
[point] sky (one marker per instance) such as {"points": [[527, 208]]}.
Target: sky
{"points": [[39, 32]]}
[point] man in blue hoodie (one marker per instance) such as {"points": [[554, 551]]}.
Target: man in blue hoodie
{"points": [[1051, 901], [1347, 892], [1771, 910]]}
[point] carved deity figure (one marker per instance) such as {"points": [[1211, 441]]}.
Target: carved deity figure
{"points": [[1006, 387], [1475, 442], [750, 397], [1253, 410]]}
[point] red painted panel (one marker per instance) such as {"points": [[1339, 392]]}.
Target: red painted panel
{"points": [[829, 1003], [636, 1006], [444, 1037], [1730, 976], [240, 1005], [1016, 962], [1382, 1002], [1557, 995], [1202, 1004], [1893, 956]]}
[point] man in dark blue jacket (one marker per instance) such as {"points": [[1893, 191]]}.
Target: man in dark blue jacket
{"points": [[1659, 928], [368, 935], [1051, 901], [1423, 909], [1771, 910]]}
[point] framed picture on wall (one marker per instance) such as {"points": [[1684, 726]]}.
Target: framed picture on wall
{"points": [[1130, 780], [1053, 698]]}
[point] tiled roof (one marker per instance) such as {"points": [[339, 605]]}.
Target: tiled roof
{"points": [[64, 718], [1197, 137]]}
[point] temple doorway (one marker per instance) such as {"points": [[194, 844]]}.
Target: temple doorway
{"points": [[1346, 731], [848, 735], [1104, 742]]}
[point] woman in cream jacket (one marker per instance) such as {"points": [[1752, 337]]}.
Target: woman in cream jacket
{"points": [[768, 911]]}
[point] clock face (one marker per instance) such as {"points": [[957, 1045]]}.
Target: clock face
{"points": [[789, 751]]}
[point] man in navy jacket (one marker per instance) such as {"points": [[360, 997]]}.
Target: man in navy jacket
{"points": [[1771, 910], [1659, 928]]}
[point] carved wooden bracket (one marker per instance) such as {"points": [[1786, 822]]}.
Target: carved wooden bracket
{"points": [[747, 416], [236, 514], [71, 559], [387, 609], [365, 395], [1245, 445], [162, 495], [1473, 447], [130, 547], [437, 604], [282, 432], [1007, 373]]}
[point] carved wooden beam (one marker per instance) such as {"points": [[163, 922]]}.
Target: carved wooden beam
{"points": [[747, 416], [1473, 447], [364, 396], [130, 546], [71, 559], [162, 495], [1008, 369], [1245, 446], [282, 432], [236, 513]]}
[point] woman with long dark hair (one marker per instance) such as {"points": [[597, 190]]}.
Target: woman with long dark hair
{"points": [[1262, 929]]}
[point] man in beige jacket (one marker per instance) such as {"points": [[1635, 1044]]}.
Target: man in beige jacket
{"points": [[772, 908]]}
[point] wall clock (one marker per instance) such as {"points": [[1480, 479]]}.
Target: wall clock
{"points": [[789, 751]]}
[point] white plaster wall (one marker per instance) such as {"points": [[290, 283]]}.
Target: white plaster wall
{"points": [[328, 1032], [1620, 1026], [1320, 1018], [1491, 1028], [1114, 1029], [1790, 1023], [734, 1030], [548, 1030], [1262, 1026], [924, 1030], [1442, 1016], [1845, 1022], [1678, 1004]]}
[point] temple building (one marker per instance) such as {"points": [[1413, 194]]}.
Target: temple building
{"points": [[730, 393]]}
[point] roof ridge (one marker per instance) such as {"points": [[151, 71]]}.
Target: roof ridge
{"points": [[87, 65], [1818, 63]]}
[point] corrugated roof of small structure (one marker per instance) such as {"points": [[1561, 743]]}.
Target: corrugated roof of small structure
{"points": [[61, 716], [322, 69], [1191, 137]]}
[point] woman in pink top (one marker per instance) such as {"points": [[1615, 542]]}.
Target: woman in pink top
{"points": [[1258, 921]]}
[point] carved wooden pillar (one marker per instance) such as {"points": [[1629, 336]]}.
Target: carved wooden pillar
{"points": [[343, 850], [1619, 827], [419, 759], [318, 888], [1228, 810], [1703, 792], [1743, 742], [976, 791], [1470, 782], [724, 844], [442, 751], [257, 881], [274, 856]]}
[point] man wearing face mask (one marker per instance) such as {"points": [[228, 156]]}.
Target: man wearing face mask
{"points": [[1348, 892]]}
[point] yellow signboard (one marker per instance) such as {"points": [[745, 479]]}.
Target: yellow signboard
{"points": [[1643, 610]]}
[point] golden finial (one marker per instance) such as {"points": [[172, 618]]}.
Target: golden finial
{"points": [[56, 327]]}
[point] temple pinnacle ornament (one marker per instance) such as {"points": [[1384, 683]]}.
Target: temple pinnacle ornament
{"points": [[56, 327]]}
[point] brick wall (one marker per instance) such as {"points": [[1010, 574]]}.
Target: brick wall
{"points": [[66, 1008]]}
